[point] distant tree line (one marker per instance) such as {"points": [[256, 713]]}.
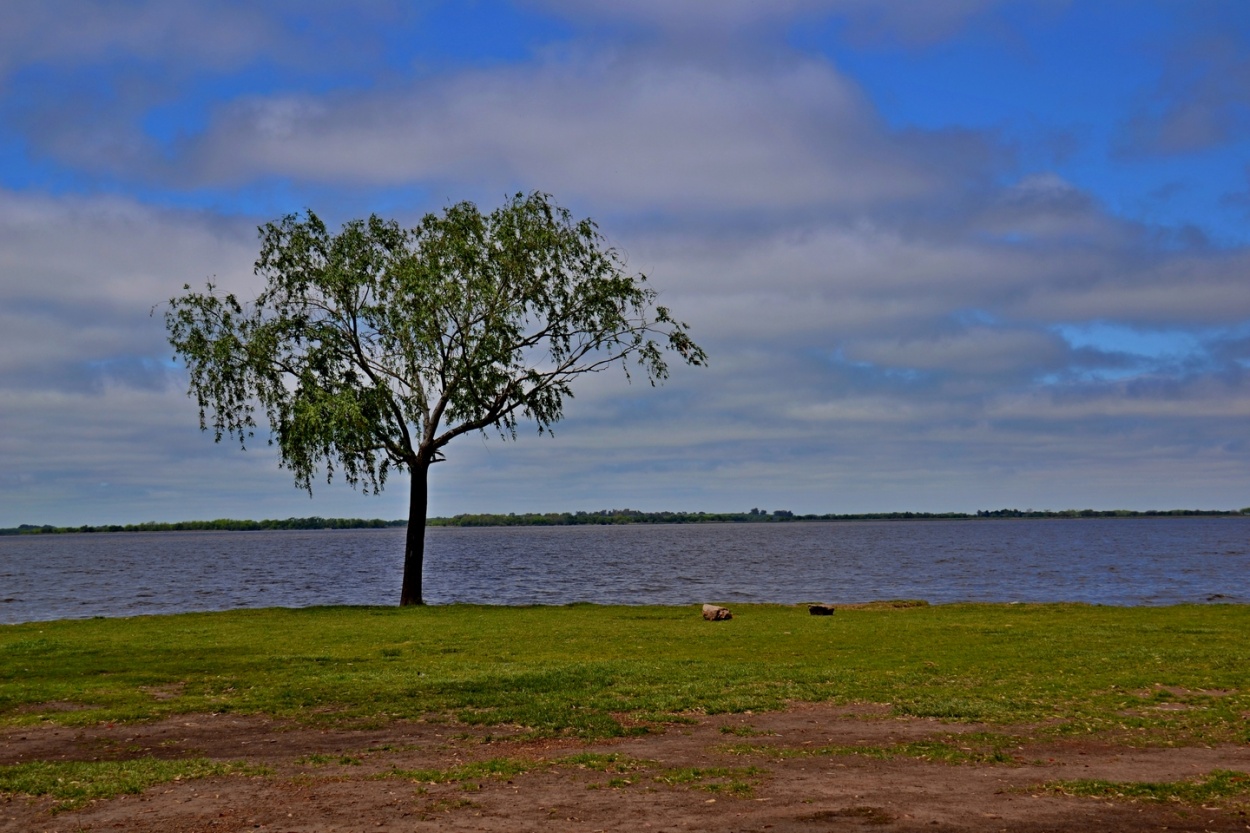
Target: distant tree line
{"points": [[634, 516], [221, 524], [1109, 513], [607, 517]]}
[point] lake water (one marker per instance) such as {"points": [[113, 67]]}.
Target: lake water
{"points": [[1116, 562]]}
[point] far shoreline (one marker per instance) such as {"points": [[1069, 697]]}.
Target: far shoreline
{"points": [[615, 517]]}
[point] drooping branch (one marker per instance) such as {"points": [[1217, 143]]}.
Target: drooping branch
{"points": [[376, 345]]}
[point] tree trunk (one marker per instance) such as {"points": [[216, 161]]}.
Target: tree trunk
{"points": [[414, 546]]}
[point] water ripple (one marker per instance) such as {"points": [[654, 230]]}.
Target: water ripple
{"points": [[1100, 561]]}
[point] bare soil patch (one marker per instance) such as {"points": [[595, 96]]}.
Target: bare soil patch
{"points": [[682, 779]]}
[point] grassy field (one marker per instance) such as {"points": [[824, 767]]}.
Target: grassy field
{"points": [[1163, 675], [75, 783]]}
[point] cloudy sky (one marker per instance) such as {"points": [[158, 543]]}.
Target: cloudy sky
{"points": [[946, 255]]}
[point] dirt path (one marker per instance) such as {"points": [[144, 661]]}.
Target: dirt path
{"points": [[697, 777]]}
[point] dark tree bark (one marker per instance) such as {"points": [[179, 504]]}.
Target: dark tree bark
{"points": [[414, 547]]}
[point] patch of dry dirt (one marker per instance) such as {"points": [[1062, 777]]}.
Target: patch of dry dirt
{"points": [[315, 789]]}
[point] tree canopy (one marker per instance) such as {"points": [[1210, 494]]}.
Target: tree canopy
{"points": [[369, 350]]}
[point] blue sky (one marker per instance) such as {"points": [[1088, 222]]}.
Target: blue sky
{"points": [[943, 256]]}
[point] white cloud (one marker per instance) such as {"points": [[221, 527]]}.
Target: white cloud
{"points": [[36, 31], [979, 351], [910, 21], [881, 311], [81, 278], [1203, 90], [189, 35], [619, 131]]}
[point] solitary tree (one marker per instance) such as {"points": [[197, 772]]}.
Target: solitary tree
{"points": [[371, 349]]}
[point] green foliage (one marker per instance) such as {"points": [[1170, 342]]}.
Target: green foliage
{"points": [[594, 671], [372, 348], [1215, 785], [605, 762], [742, 731], [74, 783], [493, 768], [963, 748], [322, 759], [736, 781]]}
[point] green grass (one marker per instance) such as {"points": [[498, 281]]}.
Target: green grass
{"points": [[736, 781], [969, 748], [321, 759], [74, 783], [468, 775], [742, 731], [603, 671], [493, 768], [1217, 785], [604, 762]]}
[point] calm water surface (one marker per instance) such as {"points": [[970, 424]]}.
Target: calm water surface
{"points": [[1119, 562]]}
